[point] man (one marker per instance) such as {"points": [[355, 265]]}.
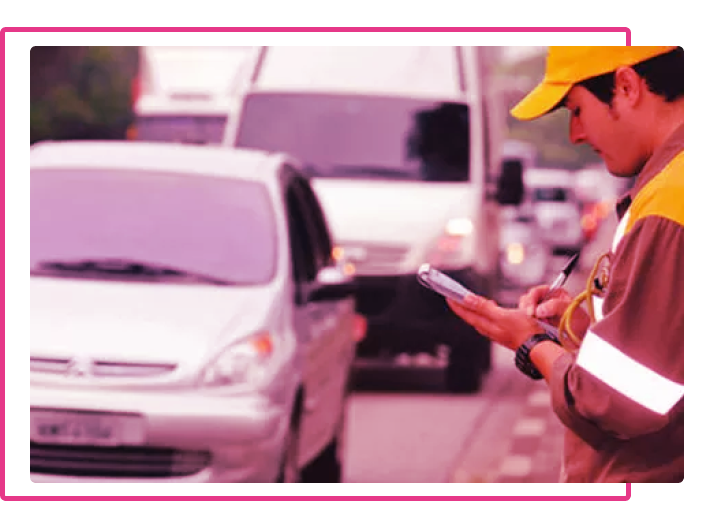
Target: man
{"points": [[619, 390]]}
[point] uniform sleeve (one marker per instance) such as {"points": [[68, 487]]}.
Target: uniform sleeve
{"points": [[628, 377]]}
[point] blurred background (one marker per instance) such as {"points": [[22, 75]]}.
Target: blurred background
{"points": [[92, 92], [498, 428]]}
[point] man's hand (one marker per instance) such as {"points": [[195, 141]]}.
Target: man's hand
{"points": [[552, 309], [507, 327]]}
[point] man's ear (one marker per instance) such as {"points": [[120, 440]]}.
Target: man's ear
{"points": [[629, 86]]}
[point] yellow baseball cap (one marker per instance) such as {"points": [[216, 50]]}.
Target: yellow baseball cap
{"points": [[566, 66]]}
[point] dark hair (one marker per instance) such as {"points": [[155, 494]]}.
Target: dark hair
{"points": [[664, 75]]}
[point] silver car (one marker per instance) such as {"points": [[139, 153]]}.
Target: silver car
{"points": [[551, 195], [189, 322]]}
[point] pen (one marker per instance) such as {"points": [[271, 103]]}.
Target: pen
{"points": [[562, 277]]}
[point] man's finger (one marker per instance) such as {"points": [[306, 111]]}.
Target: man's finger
{"points": [[483, 323], [551, 308], [479, 304]]}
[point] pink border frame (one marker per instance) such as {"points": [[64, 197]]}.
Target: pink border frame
{"points": [[5, 497]]}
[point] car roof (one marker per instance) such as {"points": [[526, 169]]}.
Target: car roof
{"points": [[210, 160]]}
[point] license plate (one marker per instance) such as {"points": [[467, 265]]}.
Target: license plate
{"points": [[85, 428]]}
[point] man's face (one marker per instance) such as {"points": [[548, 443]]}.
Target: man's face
{"points": [[607, 129]]}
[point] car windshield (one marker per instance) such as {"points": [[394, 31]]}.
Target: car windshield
{"points": [[151, 226], [181, 128], [361, 136], [550, 194]]}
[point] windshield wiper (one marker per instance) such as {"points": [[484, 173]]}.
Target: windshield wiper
{"points": [[375, 170], [125, 267]]}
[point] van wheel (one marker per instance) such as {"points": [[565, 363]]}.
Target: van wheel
{"points": [[462, 376], [470, 358]]}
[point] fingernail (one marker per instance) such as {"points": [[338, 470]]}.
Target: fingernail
{"points": [[470, 301], [540, 312]]}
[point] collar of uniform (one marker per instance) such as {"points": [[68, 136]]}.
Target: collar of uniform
{"points": [[662, 155]]}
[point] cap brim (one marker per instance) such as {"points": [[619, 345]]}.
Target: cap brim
{"points": [[542, 100]]}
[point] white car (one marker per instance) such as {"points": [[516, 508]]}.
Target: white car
{"points": [[551, 194], [188, 320]]}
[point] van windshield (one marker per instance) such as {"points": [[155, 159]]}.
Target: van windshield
{"points": [[197, 129], [361, 136], [550, 194]]}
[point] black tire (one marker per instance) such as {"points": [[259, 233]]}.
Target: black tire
{"points": [[288, 469], [325, 468], [462, 376], [470, 358]]}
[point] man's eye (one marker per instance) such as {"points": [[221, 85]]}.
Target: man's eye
{"points": [[576, 112]]}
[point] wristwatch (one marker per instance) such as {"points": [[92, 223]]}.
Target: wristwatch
{"points": [[523, 361]]}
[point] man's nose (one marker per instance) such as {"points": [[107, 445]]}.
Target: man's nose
{"points": [[576, 131]]}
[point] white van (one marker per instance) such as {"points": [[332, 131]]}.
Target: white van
{"points": [[403, 147], [184, 93]]}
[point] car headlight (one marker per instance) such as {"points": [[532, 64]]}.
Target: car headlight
{"points": [[452, 244], [243, 362], [459, 227], [515, 253]]}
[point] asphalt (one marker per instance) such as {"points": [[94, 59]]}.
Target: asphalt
{"points": [[519, 438]]}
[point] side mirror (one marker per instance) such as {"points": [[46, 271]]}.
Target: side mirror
{"points": [[332, 284], [511, 188]]}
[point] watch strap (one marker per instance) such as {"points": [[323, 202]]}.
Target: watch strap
{"points": [[522, 359]]}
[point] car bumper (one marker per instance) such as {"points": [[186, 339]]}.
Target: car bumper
{"points": [[403, 316], [183, 437]]}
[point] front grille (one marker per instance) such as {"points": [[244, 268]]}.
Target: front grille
{"points": [[109, 462], [375, 299], [377, 258], [100, 368]]}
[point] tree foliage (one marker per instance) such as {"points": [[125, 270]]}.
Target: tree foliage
{"points": [[81, 92], [548, 133]]}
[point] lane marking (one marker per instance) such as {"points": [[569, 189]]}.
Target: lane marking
{"points": [[539, 398], [516, 466], [530, 427]]}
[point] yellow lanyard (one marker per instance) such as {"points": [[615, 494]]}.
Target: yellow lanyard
{"points": [[596, 286]]}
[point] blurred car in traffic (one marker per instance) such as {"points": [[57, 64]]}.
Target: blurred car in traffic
{"points": [[188, 320], [597, 191], [525, 255], [185, 93], [550, 194], [385, 134]]}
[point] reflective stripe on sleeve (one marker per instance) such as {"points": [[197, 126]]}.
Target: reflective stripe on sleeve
{"points": [[627, 376]]}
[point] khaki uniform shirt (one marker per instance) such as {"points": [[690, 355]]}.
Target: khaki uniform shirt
{"points": [[621, 397]]}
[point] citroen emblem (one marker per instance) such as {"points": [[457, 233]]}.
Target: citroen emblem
{"points": [[356, 253], [78, 367]]}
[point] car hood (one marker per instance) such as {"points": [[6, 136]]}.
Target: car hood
{"points": [[139, 322], [391, 212]]}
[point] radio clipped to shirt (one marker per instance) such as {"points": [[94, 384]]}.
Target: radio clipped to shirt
{"points": [[444, 285]]}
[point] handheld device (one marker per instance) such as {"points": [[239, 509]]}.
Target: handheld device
{"points": [[441, 283], [448, 287]]}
